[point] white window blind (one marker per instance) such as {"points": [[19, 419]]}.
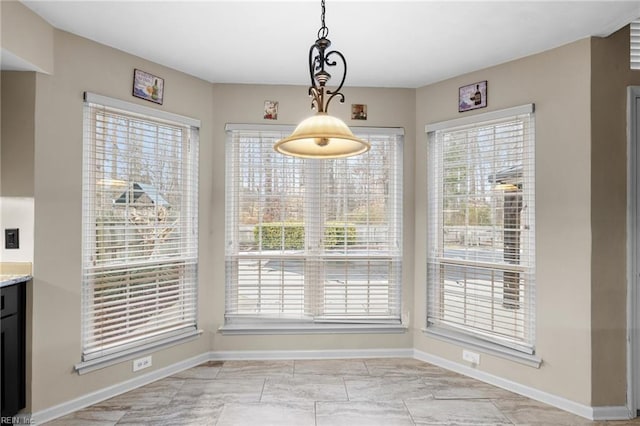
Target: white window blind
{"points": [[481, 248], [635, 45], [139, 227], [313, 240]]}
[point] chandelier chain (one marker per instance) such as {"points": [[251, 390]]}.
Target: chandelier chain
{"points": [[323, 32]]}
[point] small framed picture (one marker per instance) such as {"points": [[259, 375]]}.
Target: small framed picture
{"points": [[358, 112], [270, 110], [148, 86], [472, 96]]}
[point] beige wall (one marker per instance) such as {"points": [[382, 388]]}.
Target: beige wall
{"points": [[17, 133], [610, 77], [26, 36], [558, 82]]}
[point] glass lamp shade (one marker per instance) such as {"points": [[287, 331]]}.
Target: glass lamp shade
{"points": [[322, 136]]}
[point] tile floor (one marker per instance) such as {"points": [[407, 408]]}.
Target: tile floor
{"points": [[370, 392]]}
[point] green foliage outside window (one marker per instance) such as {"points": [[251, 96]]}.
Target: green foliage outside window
{"points": [[338, 234], [290, 235]]}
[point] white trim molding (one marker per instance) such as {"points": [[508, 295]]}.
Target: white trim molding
{"points": [[92, 398], [591, 413], [109, 392], [491, 348], [140, 109], [610, 413], [312, 354], [289, 128], [314, 328], [116, 358], [486, 116], [633, 260]]}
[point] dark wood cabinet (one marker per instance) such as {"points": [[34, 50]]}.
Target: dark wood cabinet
{"points": [[12, 364]]}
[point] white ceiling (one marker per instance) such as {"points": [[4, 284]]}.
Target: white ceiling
{"points": [[386, 43]]}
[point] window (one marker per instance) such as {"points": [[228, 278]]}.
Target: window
{"points": [[140, 228], [481, 249], [312, 241]]}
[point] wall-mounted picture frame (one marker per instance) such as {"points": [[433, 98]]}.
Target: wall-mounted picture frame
{"points": [[148, 86], [472, 96], [270, 110], [358, 111]]}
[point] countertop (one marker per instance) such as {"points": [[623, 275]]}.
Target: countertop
{"points": [[15, 273], [11, 279]]}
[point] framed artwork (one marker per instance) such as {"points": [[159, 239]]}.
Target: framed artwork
{"points": [[148, 86], [358, 112], [472, 96], [270, 110]]}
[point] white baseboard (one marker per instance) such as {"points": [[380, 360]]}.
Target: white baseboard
{"points": [[592, 413], [312, 354], [612, 413], [109, 392], [588, 412]]}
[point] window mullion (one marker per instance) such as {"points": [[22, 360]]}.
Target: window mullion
{"points": [[313, 224]]}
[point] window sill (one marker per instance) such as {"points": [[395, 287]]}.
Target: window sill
{"points": [[116, 358], [481, 345], [275, 329]]}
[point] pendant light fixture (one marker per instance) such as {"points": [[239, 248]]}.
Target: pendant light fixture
{"points": [[322, 135]]}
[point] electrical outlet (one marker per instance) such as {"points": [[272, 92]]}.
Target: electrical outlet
{"points": [[471, 357], [140, 363]]}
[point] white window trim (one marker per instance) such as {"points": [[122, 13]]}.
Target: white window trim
{"points": [[314, 328], [467, 341], [230, 127], [486, 116], [140, 109], [517, 353], [279, 326], [115, 358]]}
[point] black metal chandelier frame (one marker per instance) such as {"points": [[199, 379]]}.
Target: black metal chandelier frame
{"points": [[319, 75]]}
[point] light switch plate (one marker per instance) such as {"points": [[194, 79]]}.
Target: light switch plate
{"points": [[12, 238]]}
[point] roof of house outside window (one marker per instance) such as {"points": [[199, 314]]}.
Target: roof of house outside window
{"points": [[140, 193]]}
